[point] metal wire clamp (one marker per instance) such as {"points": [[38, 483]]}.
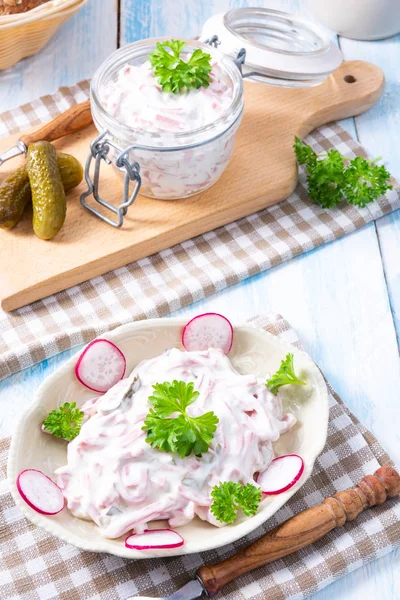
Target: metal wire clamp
{"points": [[99, 150], [240, 56], [239, 60]]}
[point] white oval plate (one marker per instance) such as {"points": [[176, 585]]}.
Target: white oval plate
{"points": [[253, 351]]}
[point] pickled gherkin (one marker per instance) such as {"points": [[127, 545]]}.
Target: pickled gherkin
{"points": [[71, 170], [15, 192], [48, 195]]}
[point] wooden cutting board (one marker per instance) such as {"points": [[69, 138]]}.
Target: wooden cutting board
{"points": [[262, 172]]}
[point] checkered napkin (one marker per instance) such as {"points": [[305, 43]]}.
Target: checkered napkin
{"points": [[36, 566], [173, 278]]}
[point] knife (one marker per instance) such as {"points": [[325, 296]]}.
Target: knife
{"points": [[292, 535], [74, 119]]}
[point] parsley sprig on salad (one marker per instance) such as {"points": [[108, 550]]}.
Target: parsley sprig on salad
{"points": [[176, 75], [183, 433], [64, 422], [332, 177], [229, 497], [285, 375]]}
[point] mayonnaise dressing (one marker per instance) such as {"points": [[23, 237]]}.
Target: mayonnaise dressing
{"points": [[116, 479]]}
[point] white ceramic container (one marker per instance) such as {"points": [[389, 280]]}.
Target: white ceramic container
{"points": [[359, 19]]}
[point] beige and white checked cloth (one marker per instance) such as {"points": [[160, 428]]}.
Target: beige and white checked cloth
{"points": [[36, 566], [176, 277]]}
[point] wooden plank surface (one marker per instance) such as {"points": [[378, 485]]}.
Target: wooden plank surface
{"points": [[341, 306], [263, 155], [336, 297], [379, 131]]}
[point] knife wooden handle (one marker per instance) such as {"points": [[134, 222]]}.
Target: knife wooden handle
{"points": [[74, 119], [304, 529]]}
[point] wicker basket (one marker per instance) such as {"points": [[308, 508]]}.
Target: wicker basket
{"points": [[25, 34]]}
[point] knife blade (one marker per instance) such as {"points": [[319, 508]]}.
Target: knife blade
{"points": [[16, 150], [190, 591]]}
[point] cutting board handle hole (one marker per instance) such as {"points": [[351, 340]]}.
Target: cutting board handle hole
{"points": [[349, 79]]}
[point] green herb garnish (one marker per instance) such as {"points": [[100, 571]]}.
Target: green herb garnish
{"points": [[332, 177], [182, 434], [229, 497], [64, 422], [176, 75], [285, 375]]}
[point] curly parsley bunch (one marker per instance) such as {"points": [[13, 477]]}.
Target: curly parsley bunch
{"points": [[230, 497], [332, 177], [182, 433], [176, 75]]}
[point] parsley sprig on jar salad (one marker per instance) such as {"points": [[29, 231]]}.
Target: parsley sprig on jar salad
{"points": [[183, 435]]}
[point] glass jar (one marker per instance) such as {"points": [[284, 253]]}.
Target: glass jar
{"points": [[172, 164], [262, 44]]}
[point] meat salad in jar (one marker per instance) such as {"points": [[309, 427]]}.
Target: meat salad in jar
{"points": [[176, 105]]}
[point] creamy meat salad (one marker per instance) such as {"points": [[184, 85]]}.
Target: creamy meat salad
{"points": [[157, 118], [137, 100], [119, 481]]}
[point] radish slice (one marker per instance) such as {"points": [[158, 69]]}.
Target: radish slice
{"points": [[281, 474], [100, 366], [210, 330], [40, 492], [154, 538]]}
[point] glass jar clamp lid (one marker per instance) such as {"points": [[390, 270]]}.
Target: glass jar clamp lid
{"points": [[280, 48]]}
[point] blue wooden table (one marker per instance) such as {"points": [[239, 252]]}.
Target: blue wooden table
{"points": [[346, 305]]}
